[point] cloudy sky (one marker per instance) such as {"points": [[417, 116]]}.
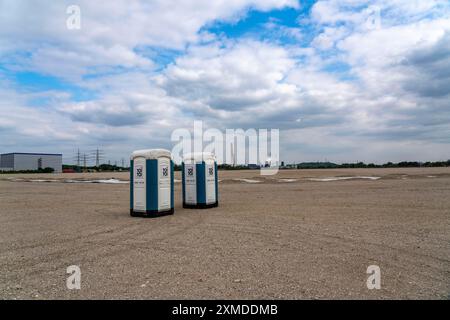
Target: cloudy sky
{"points": [[343, 80]]}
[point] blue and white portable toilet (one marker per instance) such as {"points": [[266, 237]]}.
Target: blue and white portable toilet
{"points": [[200, 181], [151, 183]]}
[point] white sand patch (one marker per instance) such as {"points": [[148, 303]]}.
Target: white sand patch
{"points": [[108, 181], [31, 180], [248, 180], [111, 181], [78, 181], [287, 180], [328, 179]]}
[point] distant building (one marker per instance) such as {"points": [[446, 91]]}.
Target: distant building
{"points": [[31, 161]]}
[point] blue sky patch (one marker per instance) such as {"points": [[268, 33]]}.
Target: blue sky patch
{"points": [[35, 82], [254, 22]]}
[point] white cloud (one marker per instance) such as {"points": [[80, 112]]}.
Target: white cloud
{"points": [[110, 31], [235, 77], [328, 38]]}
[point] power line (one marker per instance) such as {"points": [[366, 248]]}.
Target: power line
{"points": [[84, 159], [99, 155], [77, 158]]}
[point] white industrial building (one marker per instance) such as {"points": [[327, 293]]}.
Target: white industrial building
{"points": [[30, 161]]}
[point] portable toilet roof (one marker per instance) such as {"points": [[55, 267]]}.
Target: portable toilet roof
{"points": [[150, 154], [199, 156]]}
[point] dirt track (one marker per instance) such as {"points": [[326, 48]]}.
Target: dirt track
{"points": [[292, 238]]}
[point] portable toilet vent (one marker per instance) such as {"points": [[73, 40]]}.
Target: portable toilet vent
{"points": [[151, 183], [200, 181]]}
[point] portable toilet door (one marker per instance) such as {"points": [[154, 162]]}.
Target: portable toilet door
{"points": [[151, 183], [200, 181]]}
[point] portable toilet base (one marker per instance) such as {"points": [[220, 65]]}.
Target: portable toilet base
{"points": [[200, 181], [200, 206], [151, 213], [151, 183]]}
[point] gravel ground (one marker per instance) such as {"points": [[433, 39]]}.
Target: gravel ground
{"points": [[291, 236]]}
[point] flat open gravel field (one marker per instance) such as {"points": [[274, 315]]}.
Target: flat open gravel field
{"points": [[308, 234]]}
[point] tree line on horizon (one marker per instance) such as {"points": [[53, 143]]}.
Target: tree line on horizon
{"points": [[403, 164], [303, 165], [331, 165]]}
